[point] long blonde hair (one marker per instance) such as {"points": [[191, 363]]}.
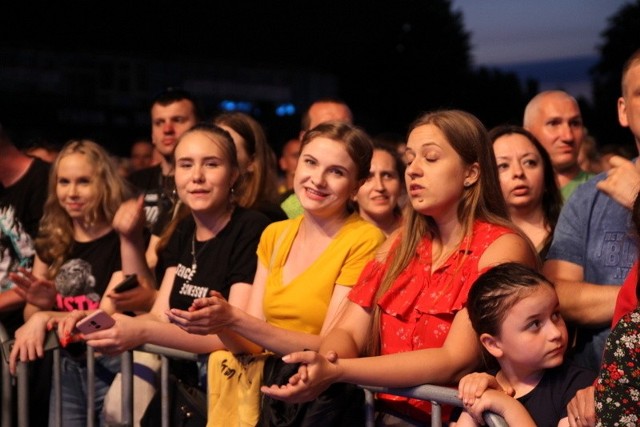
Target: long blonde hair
{"points": [[483, 200], [55, 234]]}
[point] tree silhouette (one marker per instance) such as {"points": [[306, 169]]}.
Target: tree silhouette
{"points": [[621, 39]]}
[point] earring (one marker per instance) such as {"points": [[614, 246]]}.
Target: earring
{"points": [[467, 184]]}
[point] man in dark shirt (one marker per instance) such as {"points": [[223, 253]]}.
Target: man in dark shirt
{"points": [[173, 112], [23, 191]]}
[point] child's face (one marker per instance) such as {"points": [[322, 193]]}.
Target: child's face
{"points": [[533, 335]]}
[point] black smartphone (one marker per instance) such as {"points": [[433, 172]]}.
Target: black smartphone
{"points": [[130, 282]]}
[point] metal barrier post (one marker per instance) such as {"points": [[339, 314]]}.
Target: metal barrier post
{"points": [[23, 394], [91, 386], [126, 369], [7, 396], [164, 390], [7, 390], [57, 388], [369, 407]]}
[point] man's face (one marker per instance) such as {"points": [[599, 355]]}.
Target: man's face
{"points": [[558, 126], [321, 112], [629, 103], [290, 154], [169, 122], [141, 155]]}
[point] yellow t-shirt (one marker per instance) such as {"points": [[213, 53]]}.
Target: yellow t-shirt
{"points": [[302, 304]]}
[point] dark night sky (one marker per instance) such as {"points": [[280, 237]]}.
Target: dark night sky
{"points": [[354, 40], [359, 41]]}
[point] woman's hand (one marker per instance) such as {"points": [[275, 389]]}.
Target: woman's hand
{"points": [[129, 218], [67, 332], [581, 410], [315, 375], [29, 340], [36, 291], [124, 335], [205, 316], [140, 298]]}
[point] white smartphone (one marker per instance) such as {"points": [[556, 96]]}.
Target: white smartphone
{"points": [[96, 321]]}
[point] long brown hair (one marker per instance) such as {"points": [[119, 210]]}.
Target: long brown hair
{"points": [[483, 200], [551, 197], [259, 185]]}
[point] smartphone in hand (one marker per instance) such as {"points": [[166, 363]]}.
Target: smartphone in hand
{"points": [[96, 321], [130, 282]]}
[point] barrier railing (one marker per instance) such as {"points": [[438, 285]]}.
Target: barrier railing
{"points": [[126, 370], [437, 395]]}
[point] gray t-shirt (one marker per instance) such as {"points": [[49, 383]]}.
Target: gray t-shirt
{"points": [[595, 232]]}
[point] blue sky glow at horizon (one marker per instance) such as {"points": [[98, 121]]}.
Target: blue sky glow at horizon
{"points": [[517, 31]]}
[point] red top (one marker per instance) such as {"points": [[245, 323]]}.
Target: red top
{"points": [[419, 307], [627, 300]]}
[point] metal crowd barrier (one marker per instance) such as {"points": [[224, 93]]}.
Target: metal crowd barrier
{"points": [[126, 370], [437, 395]]}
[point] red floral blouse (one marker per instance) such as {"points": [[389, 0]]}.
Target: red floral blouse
{"points": [[419, 307], [617, 393]]}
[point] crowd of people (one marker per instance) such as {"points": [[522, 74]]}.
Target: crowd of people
{"points": [[494, 261]]}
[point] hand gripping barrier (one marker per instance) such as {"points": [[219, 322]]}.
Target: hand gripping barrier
{"points": [[437, 395]]}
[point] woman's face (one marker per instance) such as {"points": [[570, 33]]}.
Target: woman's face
{"points": [[378, 196], [244, 159], [203, 174], [435, 174], [520, 169], [325, 178], [76, 188]]}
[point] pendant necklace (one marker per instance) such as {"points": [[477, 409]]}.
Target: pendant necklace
{"points": [[194, 255]]}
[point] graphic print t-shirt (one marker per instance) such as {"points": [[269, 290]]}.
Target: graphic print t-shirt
{"points": [[85, 274], [20, 211], [228, 258]]}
